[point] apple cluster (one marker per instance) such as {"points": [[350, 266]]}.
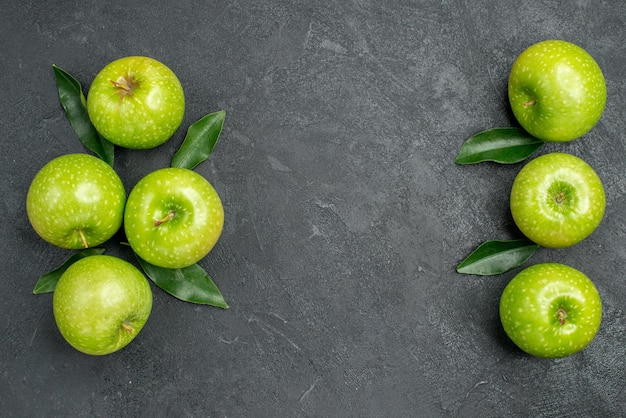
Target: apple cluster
{"points": [[557, 93], [172, 218]]}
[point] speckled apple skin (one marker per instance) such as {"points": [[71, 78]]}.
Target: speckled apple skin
{"points": [[101, 303], [568, 85], [76, 192], [149, 116], [533, 200], [195, 228], [529, 310]]}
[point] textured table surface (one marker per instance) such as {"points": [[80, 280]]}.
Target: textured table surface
{"points": [[345, 212]]}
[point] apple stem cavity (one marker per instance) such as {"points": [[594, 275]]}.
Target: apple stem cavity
{"points": [[561, 314], [560, 197], [170, 215]]}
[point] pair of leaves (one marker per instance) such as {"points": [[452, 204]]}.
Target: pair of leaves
{"points": [[197, 146], [497, 257], [503, 146], [189, 284], [500, 145]]}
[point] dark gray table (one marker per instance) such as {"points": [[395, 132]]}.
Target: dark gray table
{"points": [[345, 212]]}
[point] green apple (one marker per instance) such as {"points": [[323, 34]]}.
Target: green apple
{"points": [[173, 217], [76, 201], [101, 303], [551, 310], [136, 102], [557, 91], [557, 200]]}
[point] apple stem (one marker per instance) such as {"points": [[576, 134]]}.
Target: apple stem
{"points": [[122, 86], [170, 216], [531, 102], [125, 85], [561, 314], [126, 327], [81, 234]]}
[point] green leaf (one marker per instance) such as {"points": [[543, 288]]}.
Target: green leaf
{"points": [[74, 103], [48, 281], [200, 140], [500, 145], [190, 284], [496, 257]]}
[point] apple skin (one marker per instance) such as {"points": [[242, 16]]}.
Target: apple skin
{"points": [[76, 201], [173, 217], [136, 102], [101, 303], [551, 310], [557, 200], [557, 91]]}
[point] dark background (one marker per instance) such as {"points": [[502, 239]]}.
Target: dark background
{"points": [[345, 212]]}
